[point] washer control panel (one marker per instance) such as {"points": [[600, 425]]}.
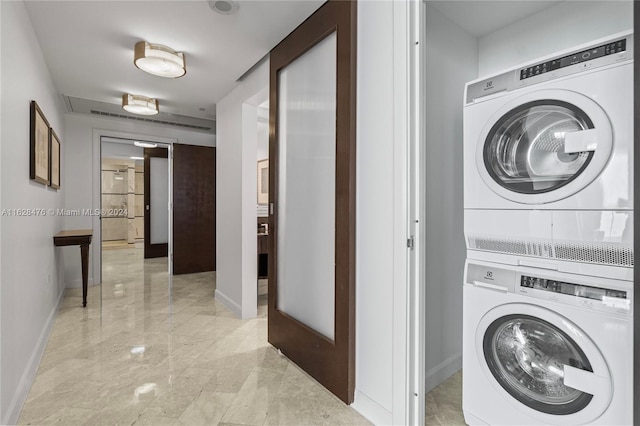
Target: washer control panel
{"points": [[571, 289], [613, 296], [600, 298]]}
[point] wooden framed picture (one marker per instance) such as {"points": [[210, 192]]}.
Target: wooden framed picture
{"points": [[54, 163], [263, 181], [39, 148]]}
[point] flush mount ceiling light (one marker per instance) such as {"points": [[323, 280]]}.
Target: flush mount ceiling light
{"points": [[159, 60], [138, 104], [145, 144], [224, 7]]}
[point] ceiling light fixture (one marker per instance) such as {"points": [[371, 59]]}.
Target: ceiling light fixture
{"points": [[159, 60], [138, 104], [145, 144], [137, 158]]}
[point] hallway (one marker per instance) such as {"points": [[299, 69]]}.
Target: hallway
{"points": [[147, 358]]}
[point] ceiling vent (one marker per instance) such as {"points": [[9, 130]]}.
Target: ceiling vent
{"points": [[107, 110]]}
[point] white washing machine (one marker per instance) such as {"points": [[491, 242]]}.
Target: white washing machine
{"points": [[546, 348], [548, 158]]}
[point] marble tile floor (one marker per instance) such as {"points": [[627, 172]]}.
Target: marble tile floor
{"points": [[143, 354], [116, 245], [444, 403]]}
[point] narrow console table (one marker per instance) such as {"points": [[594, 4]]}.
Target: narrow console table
{"points": [[81, 237]]}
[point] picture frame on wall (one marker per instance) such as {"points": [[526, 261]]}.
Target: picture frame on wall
{"points": [[39, 146], [263, 182], [54, 163]]}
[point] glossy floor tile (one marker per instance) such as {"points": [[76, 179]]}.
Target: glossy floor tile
{"points": [[444, 403], [151, 355]]}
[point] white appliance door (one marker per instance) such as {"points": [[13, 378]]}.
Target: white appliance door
{"points": [[544, 146], [544, 363]]}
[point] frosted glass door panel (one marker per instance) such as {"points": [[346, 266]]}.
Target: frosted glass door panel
{"points": [[159, 200], [306, 194]]}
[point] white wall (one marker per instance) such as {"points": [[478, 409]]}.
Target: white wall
{"points": [[381, 211], [451, 59], [559, 27], [82, 175], [236, 244], [263, 134], [31, 278]]}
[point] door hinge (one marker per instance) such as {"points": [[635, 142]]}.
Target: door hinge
{"points": [[410, 242]]}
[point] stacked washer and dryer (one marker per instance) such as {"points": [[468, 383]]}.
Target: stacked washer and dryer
{"points": [[548, 198]]}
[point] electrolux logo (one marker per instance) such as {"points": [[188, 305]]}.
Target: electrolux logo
{"points": [[489, 275], [488, 85]]}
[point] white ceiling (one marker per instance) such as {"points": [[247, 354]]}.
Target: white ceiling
{"points": [[481, 17], [88, 46]]}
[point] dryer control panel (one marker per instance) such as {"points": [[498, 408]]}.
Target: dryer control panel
{"points": [[609, 51], [617, 46]]}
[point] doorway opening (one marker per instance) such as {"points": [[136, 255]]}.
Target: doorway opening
{"points": [[262, 145], [135, 225], [456, 50]]}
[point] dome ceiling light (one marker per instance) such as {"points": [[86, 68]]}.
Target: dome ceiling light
{"points": [[138, 104], [159, 60]]}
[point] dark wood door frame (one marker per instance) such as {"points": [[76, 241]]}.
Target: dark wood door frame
{"points": [[151, 250], [332, 363]]}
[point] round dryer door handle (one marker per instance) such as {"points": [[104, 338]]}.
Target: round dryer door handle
{"points": [[586, 381]]}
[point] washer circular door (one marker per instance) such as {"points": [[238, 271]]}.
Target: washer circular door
{"points": [[544, 146], [544, 364]]}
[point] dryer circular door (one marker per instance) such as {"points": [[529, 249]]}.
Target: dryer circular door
{"points": [[544, 146], [544, 364]]}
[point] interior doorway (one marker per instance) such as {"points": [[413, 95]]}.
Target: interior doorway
{"points": [[134, 213], [262, 196], [155, 197]]}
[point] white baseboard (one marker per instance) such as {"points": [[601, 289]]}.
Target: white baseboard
{"points": [[226, 301], [371, 410], [78, 283], [443, 371], [29, 374]]}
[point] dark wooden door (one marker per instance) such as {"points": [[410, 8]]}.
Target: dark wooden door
{"points": [[155, 247], [194, 209], [312, 201]]}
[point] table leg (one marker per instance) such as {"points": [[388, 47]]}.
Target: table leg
{"points": [[84, 254]]}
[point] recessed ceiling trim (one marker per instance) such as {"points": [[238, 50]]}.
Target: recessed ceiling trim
{"points": [[115, 111]]}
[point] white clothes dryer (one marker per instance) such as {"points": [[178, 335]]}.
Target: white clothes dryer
{"points": [[553, 134], [548, 158], [546, 348]]}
